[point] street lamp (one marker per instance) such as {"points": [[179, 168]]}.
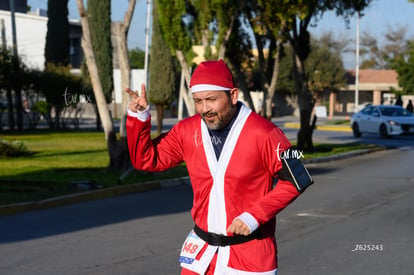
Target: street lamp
{"points": [[13, 24], [357, 66], [147, 35]]}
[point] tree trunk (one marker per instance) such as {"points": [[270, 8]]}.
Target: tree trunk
{"points": [[243, 85], [187, 77], [305, 134], [122, 51], [160, 115], [110, 135], [10, 106], [222, 48], [98, 119], [273, 80], [19, 108], [57, 117], [305, 106], [120, 31], [267, 82]]}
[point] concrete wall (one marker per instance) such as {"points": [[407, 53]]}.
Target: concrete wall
{"points": [[31, 30], [30, 35]]}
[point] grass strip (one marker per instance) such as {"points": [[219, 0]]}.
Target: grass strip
{"points": [[61, 163]]}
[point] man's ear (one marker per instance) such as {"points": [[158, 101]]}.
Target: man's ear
{"points": [[234, 94]]}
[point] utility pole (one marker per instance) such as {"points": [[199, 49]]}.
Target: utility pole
{"points": [[17, 91], [13, 25], [357, 67], [147, 36], [3, 34]]}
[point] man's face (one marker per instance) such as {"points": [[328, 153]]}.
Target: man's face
{"points": [[216, 108]]}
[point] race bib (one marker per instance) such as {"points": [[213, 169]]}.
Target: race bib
{"points": [[191, 247]]}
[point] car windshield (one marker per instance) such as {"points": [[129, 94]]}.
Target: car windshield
{"points": [[394, 111]]}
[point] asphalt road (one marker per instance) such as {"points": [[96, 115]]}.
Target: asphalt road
{"points": [[135, 234], [342, 137], [357, 218], [339, 137]]}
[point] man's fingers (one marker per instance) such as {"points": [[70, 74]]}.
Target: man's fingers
{"points": [[135, 94], [131, 93], [139, 100], [230, 229], [239, 228], [132, 106], [143, 91]]}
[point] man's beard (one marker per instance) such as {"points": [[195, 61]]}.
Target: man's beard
{"points": [[220, 121]]}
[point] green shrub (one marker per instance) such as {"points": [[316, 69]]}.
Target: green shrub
{"points": [[12, 148]]}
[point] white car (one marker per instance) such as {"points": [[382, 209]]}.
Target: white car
{"points": [[386, 120]]}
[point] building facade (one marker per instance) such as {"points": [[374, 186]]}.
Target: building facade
{"points": [[31, 30], [19, 5], [374, 87]]}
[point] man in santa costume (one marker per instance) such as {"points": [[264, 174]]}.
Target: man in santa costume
{"points": [[233, 156]]}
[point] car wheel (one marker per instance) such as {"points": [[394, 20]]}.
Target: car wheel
{"points": [[383, 131], [355, 130]]}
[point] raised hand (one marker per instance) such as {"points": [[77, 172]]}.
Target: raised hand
{"points": [[139, 101]]}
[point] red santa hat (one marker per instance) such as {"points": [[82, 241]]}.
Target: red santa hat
{"points": [[211, 76]]}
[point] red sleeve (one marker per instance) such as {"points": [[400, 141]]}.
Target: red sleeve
{"points": [[284, 192], [152, 155], [274, 201]]}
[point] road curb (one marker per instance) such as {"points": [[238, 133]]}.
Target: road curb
{"points": [[344, 155], [340, 128]]}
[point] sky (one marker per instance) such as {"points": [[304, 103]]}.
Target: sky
{"points": [[380, 15], [377, 19], [136, 35]]}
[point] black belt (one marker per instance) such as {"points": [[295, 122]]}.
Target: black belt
{"points": [[223, 240]]}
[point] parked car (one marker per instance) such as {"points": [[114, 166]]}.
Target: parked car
{"points": [[386, 120], [363, 105]]}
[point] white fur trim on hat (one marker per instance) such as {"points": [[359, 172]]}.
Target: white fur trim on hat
{"points": [[208, 87]]}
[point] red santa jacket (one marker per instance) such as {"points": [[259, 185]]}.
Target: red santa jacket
{"points": [[240, 181]]}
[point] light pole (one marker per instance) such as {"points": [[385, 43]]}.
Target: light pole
{"points": [[357, 66], [147, 36], [13, 25]]}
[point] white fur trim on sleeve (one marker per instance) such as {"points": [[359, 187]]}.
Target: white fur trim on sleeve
{"points": [[143, 116], [249, 220]]}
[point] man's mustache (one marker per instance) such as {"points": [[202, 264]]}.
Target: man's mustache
{"points": [[209, 113]]}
